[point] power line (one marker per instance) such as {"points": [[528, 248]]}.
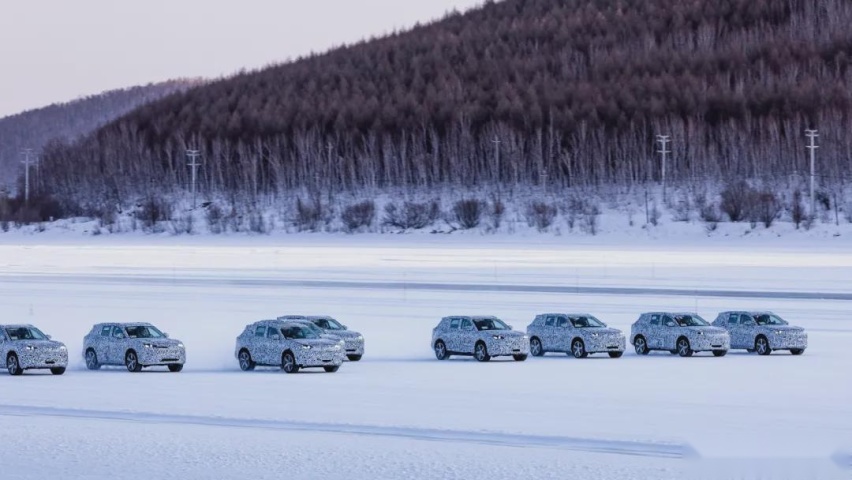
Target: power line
{"points": [[26, 153], [812, 146], [193, 163], [664, 140]]}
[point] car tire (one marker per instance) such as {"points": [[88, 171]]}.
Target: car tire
{"points": [[57, 370], [797, 351], [720, 353], [288, 363], [640, 345], [441, 352], [246, 363], [683, 348], [332, 369], [761, 345], [519, 358], [480, 352], [92, 360], [175, 367], [615, 354], [578, 349], [536, 348], [131, 361], [13, 365], [354, 358]]}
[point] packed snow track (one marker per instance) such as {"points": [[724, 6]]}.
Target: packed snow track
{"points": [[399, 413]]}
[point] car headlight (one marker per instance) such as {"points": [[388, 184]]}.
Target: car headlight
{"points": [[700, 333], [497, 337], [306, 347], [595, 335], [778, 332], [30, 347], [337, 347], [147, 345], [63, 347], [180, 345], [360, 338]]}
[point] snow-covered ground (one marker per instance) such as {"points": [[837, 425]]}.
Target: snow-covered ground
{"points": [[400, 413]]}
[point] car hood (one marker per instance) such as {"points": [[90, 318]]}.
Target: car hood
{"points": [[504, 333], [601, 331], [783, 328], [159, 342], [708, 329], [38, 343], [343, 333], [317, 342]]}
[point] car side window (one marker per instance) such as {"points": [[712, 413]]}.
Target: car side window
{"points": [[550, 322], [669, 321], [271, 332], [454, 324], [260, 331], [116, 332], [562, 322], [106, 331], [733, 318], [655, 319], [466, 324], [746, 320]]}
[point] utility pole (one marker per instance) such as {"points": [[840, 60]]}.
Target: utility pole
{"points": [[26, 153], [193, 163], [664, 140], [812, 146], [496, 143]]}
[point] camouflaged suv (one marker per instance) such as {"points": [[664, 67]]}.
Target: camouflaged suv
{"points": [[762, 332], [679, 333], [481, 337]]}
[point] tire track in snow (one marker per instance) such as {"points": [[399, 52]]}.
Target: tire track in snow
{"points": [[190, 281], [617, 447]]}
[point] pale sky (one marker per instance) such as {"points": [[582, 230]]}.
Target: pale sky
{"points": [[58, 50]]}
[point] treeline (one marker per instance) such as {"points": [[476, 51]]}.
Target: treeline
{"points": [[69, 121], [543, 92]]}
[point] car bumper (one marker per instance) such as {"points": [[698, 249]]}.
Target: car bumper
{"points": [[498, 348], [43, 359], [606, 344], [162, 356], [320, 358], [354, 347], [705, 343], [788, 342]]}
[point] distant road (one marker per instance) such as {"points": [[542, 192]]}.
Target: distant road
{"points": [[194, 281]]}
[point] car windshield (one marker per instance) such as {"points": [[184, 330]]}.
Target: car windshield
{"points": [[143, 331], [690, 321], [769, 319], [25, 333], [489, 324], [313, 328], [298, 332], [586, 321], [328, 323]]}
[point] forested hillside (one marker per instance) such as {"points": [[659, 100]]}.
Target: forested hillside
{"points": [[67, 121], [567, 92]]}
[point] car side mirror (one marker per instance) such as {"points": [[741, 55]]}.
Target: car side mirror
{"points": [[48, 337], [345, 327], [510, 327], [165, 334]]}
